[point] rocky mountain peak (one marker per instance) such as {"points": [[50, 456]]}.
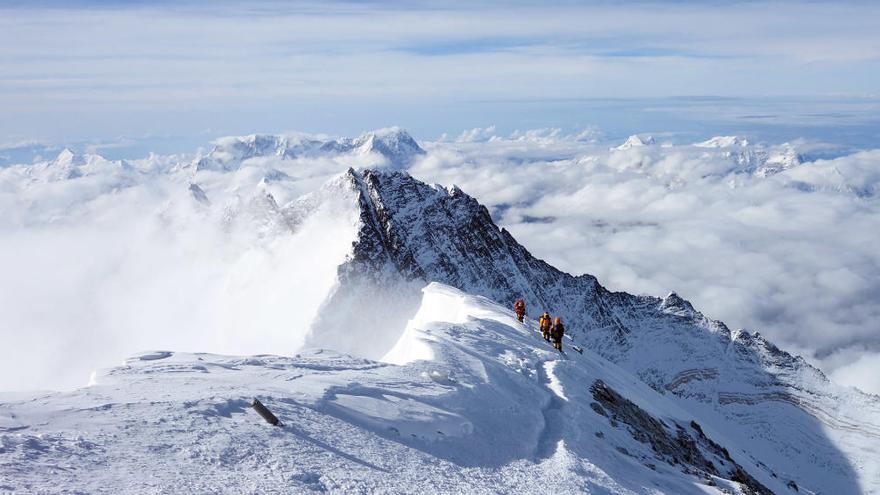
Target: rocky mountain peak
{"points": [[394, 143], [68, 157], [674, 304]]}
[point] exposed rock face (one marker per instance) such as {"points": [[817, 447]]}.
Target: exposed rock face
{"points": [[199, 194], [673, 445], [412, 233]]}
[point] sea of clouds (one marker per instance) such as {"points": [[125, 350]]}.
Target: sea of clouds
{"points": [[124, 257]]}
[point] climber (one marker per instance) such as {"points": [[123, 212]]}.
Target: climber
{"points": [[557, 332], [520, 308], [544, 323]]}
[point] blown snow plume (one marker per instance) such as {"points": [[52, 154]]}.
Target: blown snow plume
{"points": [[411, 233]]}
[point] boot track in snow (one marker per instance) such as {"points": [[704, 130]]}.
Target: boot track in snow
{"points": [[552, 434]]}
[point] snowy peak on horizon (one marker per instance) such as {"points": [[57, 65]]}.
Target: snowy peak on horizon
{"points": [[283, 156], [723, 142], [778, 160], [763, 162], [392, 146], [64, 166], [68, 158], [717, 156], [758, 161], [635, 141], [393, 143], [69, 165]]}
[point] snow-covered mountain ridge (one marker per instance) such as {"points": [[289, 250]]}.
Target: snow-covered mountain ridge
{"points": [[741, 157], [281, 156], [412, 233], [492, 409]]}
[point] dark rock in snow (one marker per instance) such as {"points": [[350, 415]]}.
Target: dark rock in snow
{"points": [[199, 194], [676, 447]]}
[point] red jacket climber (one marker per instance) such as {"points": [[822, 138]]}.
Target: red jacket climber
{"points": [[520, 308]]}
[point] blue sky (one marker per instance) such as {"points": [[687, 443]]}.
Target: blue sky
{"points": [[181, 73]]}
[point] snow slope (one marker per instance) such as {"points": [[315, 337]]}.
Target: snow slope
{"points": [[493, 409]]}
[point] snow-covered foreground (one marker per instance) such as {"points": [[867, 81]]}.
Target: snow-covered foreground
{"points": [[479, 404]]}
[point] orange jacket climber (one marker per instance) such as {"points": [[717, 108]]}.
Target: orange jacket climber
{"points": [[544, 323], [520, 308]]}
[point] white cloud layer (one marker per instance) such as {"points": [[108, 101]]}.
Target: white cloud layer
{"points": [[121, 257]]}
